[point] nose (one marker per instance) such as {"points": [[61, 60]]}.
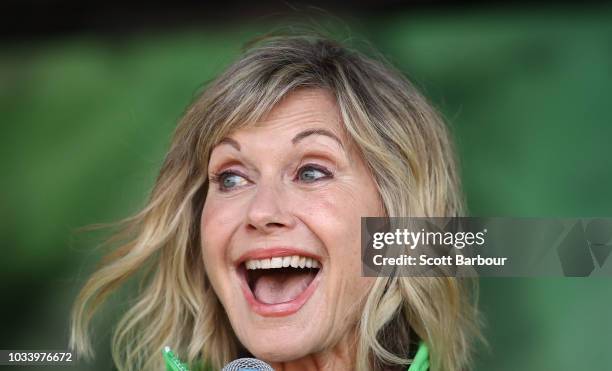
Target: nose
{"points": [[268, 210]]}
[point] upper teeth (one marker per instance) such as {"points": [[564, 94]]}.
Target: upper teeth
{"points": [[294, 261]]}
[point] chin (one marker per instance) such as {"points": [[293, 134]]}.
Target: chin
{"points": [[283, 338], [288, 349]]}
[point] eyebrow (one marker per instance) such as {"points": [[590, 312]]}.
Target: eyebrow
{"points": [[231, 142], [295, 140], [309, 132]]}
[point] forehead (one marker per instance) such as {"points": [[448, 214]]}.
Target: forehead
{"points": [[298, 110]]}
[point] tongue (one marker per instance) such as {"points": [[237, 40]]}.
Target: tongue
{"points": [[278, 287]]}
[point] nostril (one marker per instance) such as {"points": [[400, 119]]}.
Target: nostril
{"points": [[273, 225], [266, 226]]}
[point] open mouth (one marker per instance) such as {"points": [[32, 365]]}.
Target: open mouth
{"points": [[280, 280]]}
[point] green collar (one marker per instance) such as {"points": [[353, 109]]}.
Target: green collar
{"points": [[421, 359], [419, 363]]}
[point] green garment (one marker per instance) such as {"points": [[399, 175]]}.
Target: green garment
{"points": [[420, 362], [421, 359]]}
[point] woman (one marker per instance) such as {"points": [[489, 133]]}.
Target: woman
{"points": [[250, 239]]}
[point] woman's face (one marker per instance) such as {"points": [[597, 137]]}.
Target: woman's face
{"points": [[281, 229]]}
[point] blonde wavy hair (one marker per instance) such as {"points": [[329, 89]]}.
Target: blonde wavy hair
{"points": [[411, 158]]}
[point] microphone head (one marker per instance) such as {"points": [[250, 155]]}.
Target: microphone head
{"points": [[247, 364]]}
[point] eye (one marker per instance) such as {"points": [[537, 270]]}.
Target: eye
{"points": [[311, 173], [229, 180]]}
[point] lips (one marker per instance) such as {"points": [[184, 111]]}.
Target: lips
{"points": [[279, 281]]}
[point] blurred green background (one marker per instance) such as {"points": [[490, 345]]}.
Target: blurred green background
{"points": [[86, 120]]}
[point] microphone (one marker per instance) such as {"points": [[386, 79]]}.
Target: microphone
{"points": [[247, 364]]}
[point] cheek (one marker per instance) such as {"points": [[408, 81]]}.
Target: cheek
{"points": [[334, 216], [208, 237], [215, 230], [218, 217], [215, 235]]}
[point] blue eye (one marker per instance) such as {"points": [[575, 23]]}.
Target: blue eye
{"points": [[310, 173], [229, 180]]}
